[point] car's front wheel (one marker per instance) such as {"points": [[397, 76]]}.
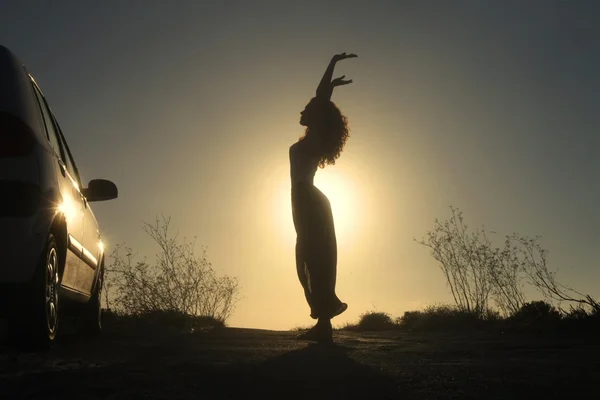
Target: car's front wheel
{"points": [[33, 320]]}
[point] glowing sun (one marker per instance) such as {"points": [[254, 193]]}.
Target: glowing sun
{"points": [[343, 195]]}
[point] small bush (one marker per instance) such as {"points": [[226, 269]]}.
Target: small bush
{"points": [[536, 316], [410, 319], [577, 314], [581, 319], [179, 282], [441, 317], [375, 321], [158, 321], [536, 313]]}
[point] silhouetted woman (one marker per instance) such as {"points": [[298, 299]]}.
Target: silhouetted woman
{"points": [[316, 247]]}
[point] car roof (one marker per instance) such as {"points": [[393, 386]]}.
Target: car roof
{"points": [[16, 93]]}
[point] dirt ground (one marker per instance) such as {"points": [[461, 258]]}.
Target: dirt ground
{"points": [[231, 362]]}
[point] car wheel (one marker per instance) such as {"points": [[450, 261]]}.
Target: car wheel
{"points": [[92, 310], [33, 320]]}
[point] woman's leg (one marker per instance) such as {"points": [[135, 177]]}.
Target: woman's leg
{"points": [[316, 254], [300, 212], [323, 331], [327, 254], [303, 273]]}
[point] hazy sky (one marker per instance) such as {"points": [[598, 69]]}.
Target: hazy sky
{"points": [[190, 108]]}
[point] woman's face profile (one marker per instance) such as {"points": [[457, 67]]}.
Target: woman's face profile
{"points": [[307, 116]]}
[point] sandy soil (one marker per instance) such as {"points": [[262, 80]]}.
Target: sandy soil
{"points": [[230, 362]]}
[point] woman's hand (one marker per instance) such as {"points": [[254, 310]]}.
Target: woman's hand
{"points": [[342, 56], [340, 81], [325, 88]]}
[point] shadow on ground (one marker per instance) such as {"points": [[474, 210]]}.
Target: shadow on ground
{"points": [[224, 364], [229, 363], [319, 372]]}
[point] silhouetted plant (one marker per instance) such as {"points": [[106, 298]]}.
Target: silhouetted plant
{"points": [[537, 313], [534, 264], [536, 316], [582, 318], [441, 317], [478, 273], [375, 321], [506, 278], [466, 259], [577, 313], [158, 320], [179, 281], [410, 319]]}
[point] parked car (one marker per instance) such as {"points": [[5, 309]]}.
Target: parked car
{"points": [[52, 248]]}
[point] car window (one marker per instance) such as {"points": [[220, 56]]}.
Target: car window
{"points": [[50, 129], [69, 161]]}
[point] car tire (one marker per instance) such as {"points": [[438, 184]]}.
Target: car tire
{"points": [[91, 318], [33, 319]]}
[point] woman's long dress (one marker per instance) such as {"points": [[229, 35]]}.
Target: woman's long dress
{"points": [[316, 246]]}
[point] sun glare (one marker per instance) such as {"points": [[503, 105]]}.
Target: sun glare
{"points": [[343, 195], [344, 198], [68, 208]]}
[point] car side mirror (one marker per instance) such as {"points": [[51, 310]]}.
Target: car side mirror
{"points": [[100, 190]]}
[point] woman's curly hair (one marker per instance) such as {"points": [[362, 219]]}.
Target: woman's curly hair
{"points": [[331, 126]]}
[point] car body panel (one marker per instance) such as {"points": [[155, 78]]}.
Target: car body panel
{"points": [[15, 96], [41, 191], [92, 247], [69, 201]]}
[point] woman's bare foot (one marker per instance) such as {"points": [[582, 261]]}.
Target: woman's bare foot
{"points": [[322, 332]]}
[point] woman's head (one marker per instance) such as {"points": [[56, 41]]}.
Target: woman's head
{"points": [[324, 119]]}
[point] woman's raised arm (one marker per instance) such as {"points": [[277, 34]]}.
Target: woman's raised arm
{"points": [[325, 88]]}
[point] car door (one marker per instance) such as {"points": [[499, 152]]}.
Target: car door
{"points": [[90, 239], [91, 247], [69, 195]]}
